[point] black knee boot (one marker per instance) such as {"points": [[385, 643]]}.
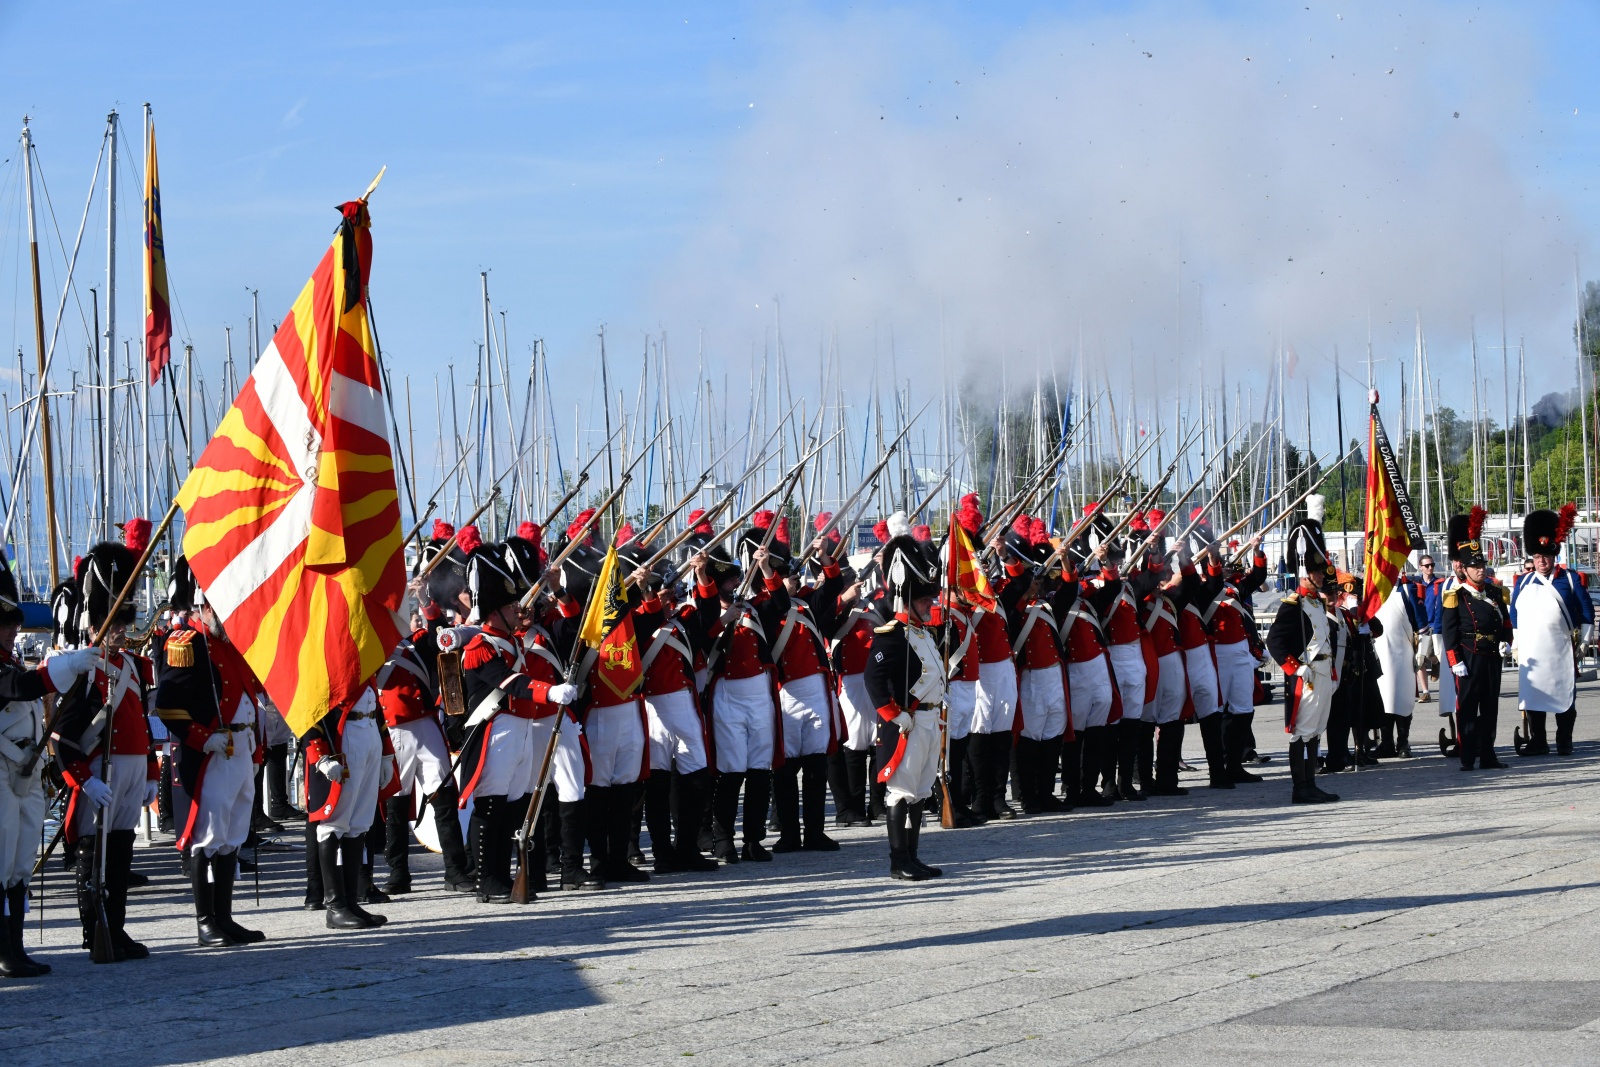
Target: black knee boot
{"points": [[397, 843], [572, 818], [458, 877], [786, 795], [597, 801], [855, 770], [913, 840], [119, 865], [83, 867], [692, 794], [999, 746], [1025, 775], [1098, 749], [224, 869], [1311, 774], [1072, 771], [1236, 739], [724, 813], [658, 817], [1538, 740], [757, 798], [957, 770], [492, 843], [14, 962], [1301, 774], [839, 786], [356, 864], [1216, 753], [619, 830], [897, 819], [1169, 752], [1047, 762], [337, 899], [1565, 721], [877, 792], [1386, 748], [978, 775], [1402, 736], [1130, 732], [277, 782], [814, 804]]}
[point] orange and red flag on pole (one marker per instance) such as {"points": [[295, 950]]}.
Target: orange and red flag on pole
{"points": [[293, 519], [157, 308], [965, 577], [1391, 526]]}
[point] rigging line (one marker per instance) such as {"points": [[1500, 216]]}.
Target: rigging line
{"points": [[50, 209]]}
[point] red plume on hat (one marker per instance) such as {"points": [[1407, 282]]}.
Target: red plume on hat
{"points": [[1475, 522], [624, 534], [698, 522], [577, 524], [922, 533], [1038, 532], [1021, 526], [468, 539], [529, 531], [442, 531], [1197, 512], [968, 517], [782, 536], [136, 533], [880, 530], [761, 520], [1155, 517], [1091, 507], [1136, 522], [821, 523], [1564, 520]]}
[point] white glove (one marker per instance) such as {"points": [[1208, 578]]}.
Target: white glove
{"points": [[67, 667], [217, 743], [1458, 669], [904, 721], [98, 792], [1586, 632], [562, 693], [331, 769], [150, 794], [1303, 671], [388, 773]]}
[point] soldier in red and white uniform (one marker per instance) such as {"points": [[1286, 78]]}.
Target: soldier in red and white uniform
{"points": [[961, 690], [352, 771], [679, 787], [1096, 710], [1196, 593], [513, 697], [1231, 623], [808, 716], [1042, 701], [107, 795], [1118, 600], [855, 618], [740, 691], [994, 707], [1167, 692]]}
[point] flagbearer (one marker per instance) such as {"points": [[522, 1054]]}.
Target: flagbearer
{"points": [[22, 802], [108, 795], [905, 677], [206, 695], [354, 771], [1550, 608], [1475, 622], [1306, 640]]}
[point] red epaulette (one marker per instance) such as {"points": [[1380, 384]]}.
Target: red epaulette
{"points": [[476, 654]]}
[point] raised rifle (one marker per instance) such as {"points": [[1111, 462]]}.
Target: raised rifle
{"points": [[861, 490], [1286, 512]]}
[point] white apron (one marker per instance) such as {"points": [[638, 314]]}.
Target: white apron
{"points": [[1399, 682], [1547, 678]]}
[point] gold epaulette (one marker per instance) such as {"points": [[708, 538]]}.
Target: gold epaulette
{"points": [[1450, 598], [1505, 595], [173, 715], [180, 649], [1292, 598], [886, 629]]}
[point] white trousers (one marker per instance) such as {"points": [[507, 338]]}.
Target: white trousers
{"points": [[1042, 702], [127, 781], [510, 769], [996, 706], [677, 738], [21, 820], [421, 754], [742, 722], [1236, 677], [912, 780], [362, 754], [1167, 707], [805, 712], [961, 700], [1091, 692], [567, 768], [860, 717], [226, 792], [1202, 681], [1128, 662], [1316, 702], [617, 743]]}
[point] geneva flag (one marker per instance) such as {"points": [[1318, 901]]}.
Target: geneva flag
{"points": [[293, 520], [1391, 528]]}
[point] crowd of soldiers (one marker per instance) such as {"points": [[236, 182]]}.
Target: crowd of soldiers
{"points": [[766, 679]]}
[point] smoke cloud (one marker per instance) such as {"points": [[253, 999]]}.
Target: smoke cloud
{"points": [[1166, 187]]}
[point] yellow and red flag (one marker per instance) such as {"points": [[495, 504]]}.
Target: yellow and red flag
{"points": [[1391, 527], [608, 628], [157, 309], [966, 579], [293, 520]]}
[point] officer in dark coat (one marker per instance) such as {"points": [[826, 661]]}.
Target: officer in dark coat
{"points": [[1476, 620]]}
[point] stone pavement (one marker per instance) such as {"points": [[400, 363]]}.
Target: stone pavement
{"points": [[1430, 917]]}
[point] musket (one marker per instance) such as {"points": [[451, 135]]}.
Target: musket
{"points": [[871, 480], [582, 478], [1286, 512], [433, 501], [1155, 532], [494, 494], [1112, 490], [928, 499], [661, 524], [25, 768], [1001, 518], [1206, 507]]}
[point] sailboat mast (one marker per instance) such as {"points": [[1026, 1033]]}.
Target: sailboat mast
{"points": [[43, 385], [108, 376]]}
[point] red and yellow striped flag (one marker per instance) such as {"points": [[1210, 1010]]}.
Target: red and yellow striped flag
{"points": [[157, 309], [966, 579], [293, 520], [1391, 527]]}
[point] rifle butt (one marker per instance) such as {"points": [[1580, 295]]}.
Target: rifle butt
{"points": [[519, 885], [947, 808], [101, 950]]}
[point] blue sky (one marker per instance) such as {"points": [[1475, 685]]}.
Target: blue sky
{"points": [[656, 166]]}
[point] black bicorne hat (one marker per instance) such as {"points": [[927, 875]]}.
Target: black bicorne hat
{"points": [[907, 570], [10, 599], [106, 569], [491, 585]]}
